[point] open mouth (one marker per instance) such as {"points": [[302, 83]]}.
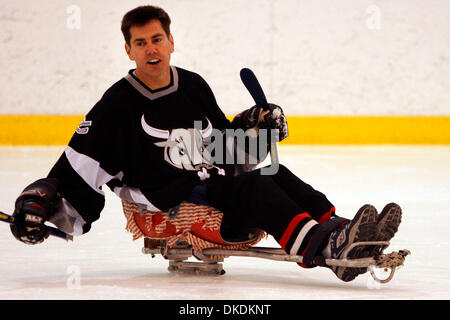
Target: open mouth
{"points": [[153, 61]]}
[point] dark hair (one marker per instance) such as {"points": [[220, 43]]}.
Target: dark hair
{"points": [[140, 16]]}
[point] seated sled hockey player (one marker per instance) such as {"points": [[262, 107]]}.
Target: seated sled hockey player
{"points": [[132, 140]]}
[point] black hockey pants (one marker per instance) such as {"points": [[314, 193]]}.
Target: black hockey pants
{"points": [[281, 204]]}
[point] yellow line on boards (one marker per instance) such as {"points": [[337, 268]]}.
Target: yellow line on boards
{"points": [[339, 130], [370, 130], [37, 129]]}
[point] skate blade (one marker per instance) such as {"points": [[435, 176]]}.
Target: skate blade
{"points": [[196, 268]]}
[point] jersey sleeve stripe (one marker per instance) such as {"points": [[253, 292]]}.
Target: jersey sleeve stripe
{"points": [[135, 195], [89, 170]]}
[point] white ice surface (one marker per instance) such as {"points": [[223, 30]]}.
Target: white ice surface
{"points": [[111, 266]]}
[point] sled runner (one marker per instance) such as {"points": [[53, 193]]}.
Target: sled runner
{"points": [[193, 231], [210, 258]]}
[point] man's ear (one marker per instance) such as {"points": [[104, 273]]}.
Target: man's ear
{"points": [[128, 51], [172, 43]]}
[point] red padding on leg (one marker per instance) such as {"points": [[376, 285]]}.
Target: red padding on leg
{"points": [[327, 215]]}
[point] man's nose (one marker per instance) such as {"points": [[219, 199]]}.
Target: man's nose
{"points": [[151, 49]]}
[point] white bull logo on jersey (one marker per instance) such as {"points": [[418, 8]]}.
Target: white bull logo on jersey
{"points": [[184, 148]]}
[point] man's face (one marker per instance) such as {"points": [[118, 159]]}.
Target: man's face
{"points": [[151, 48]]}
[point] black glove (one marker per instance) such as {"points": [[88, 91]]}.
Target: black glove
{"points": [[275, 119], [246, 119], [33, 207]]}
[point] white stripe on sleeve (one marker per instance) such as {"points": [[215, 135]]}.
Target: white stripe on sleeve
{"points": [[89, 170]]}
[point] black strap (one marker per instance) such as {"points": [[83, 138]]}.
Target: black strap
{"points": [[319, 240]]}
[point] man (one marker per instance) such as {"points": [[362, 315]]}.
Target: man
{"points": [[141, 140]]}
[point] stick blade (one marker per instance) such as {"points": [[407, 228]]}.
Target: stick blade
{"points": [[254, 88]]}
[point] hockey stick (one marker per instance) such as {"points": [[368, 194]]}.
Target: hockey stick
{"points": [[53, 231], [254, 88]]}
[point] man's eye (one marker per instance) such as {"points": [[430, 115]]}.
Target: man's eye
{"points": [[157, 40], [140, 44]]}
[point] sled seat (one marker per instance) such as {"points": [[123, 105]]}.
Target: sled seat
{"points": [[197, 225]]}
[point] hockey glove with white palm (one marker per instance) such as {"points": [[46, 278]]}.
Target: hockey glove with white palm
{"points": [[247, 119], [275, 119], [256, 118]]}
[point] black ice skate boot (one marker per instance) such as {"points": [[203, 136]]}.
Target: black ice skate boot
{"points": [[389, 221], [363, 227], [387, 224]]}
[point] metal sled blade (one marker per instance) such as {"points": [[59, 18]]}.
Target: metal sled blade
{"points": [[196, 268]]}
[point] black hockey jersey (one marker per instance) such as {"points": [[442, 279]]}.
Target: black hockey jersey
{"points": [[125, 142]]}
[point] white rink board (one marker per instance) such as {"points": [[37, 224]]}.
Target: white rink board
{"points": [[111, 266], [322, 57]]}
